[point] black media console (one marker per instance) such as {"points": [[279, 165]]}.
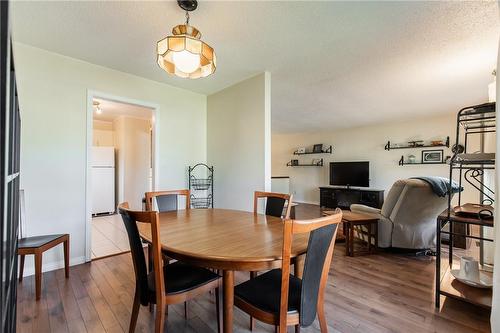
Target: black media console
{"points": [[342, 197]]}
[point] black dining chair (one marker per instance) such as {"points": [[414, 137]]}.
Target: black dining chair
{"points": [[281, 299], [275, 204], [165, 284], [166, 201]]}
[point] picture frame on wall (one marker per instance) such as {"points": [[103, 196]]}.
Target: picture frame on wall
{"points": [[318, 148], [432, 156]]}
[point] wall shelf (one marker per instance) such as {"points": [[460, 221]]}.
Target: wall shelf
{"points": [[319, 164], [403, 162], [415, 144], [324, 151]]}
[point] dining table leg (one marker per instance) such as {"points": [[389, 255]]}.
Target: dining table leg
{"points": [[228, 295]]}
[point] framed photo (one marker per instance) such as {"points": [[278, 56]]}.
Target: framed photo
{"points": [[432, 156], [301, 150], [295, 162], [318, 148]]}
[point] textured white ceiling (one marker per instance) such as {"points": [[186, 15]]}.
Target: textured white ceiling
{"points": [[112, 110], [333, 64]]}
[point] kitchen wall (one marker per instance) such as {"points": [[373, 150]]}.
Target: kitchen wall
{"points": [[53, 102], [102, 134], [133, 159], [239, 141], [362, 144]]}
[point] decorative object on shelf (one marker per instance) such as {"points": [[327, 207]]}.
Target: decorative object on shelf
{"points": [[303, 151], [201, 185], [432, 156], [470, 274], [318, 148], [471, 120], [184, 54], [411, 159], [418, 144], [316, 162], [437, 143]]}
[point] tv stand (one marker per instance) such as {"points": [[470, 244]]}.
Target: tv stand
{"points": [[344, 197]]}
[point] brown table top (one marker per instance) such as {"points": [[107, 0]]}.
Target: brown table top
{"points": [[224, 239], [355, 217]]}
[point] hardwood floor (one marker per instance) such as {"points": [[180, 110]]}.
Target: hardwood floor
{"points": [[384, 292]]}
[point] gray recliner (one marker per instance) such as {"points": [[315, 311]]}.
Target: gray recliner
{"points": [[408, 217]]}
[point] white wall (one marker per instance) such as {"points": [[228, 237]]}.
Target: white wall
{"points": [[133, 152], [238, 142], [360, 144], [53, 102]]}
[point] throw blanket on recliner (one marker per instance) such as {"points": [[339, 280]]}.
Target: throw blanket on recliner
{"points": [[440, 185]]}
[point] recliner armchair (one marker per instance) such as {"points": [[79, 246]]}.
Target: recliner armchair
{"points": [[408, 216]]}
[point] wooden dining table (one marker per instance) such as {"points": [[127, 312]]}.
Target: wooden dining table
{"points": [[227, 240]]}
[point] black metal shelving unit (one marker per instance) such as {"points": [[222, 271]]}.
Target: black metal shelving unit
{"points": [[472, 120], [201, 185]]}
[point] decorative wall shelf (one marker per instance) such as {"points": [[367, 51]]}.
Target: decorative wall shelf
{"points": [[416, 144], [319, 164], [403, 162], [324, 151]]}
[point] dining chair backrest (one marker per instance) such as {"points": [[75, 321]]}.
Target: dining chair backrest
{"points": [[166, 201], [130, 219], [316, 266], [275, 203]]}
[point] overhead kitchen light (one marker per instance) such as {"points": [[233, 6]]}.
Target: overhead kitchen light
{"points": [[97, 107], [184, 54]]}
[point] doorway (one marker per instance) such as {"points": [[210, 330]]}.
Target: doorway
{"points": [[121, 148]]}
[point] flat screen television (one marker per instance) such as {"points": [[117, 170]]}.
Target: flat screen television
{"points": [[350, 174]]}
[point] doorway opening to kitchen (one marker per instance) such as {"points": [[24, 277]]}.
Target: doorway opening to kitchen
{"points": [[121, 169]]}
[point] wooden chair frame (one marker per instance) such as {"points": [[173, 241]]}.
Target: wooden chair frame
{"points": [[151, 195], [284, 318], [162, 300], [259, 194]]}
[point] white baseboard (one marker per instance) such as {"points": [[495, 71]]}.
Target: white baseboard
{"points": [[51, 266]]}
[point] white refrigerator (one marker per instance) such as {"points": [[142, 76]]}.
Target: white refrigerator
{"points": [[103, 180]]}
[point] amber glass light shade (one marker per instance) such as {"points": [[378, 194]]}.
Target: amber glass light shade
{"points": [[172, 56]]}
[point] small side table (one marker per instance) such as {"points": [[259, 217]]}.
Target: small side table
{"points": [[352, 219]]}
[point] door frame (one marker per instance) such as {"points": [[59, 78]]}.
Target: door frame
{"points": [[91, 95]]}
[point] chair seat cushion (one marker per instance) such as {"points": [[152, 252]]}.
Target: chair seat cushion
{"points": [[37, 241], [180, 277], [264, 292]]}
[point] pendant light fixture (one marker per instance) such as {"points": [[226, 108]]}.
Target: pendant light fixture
{"points": [[184, 54]]}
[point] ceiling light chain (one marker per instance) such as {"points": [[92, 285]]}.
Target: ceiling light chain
{"points": [[187, 17]]}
